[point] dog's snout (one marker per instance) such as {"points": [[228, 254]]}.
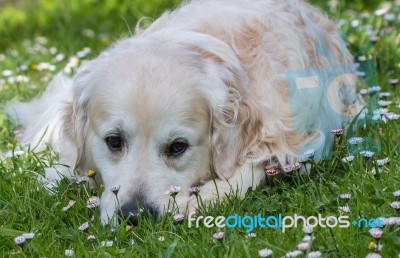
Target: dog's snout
{"points": [[132, 212]]}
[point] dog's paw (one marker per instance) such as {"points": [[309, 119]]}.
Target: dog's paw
{"points": [[208, 193], [52, 175]]}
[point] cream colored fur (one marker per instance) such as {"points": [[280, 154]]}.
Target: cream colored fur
{"points": [[214, 72]]}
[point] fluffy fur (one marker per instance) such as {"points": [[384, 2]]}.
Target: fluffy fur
{"points": [[220, 83]]}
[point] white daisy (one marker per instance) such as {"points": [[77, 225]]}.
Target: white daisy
{"points": [[84, 226], [348, 159], [315, 254], [376, 233], [107, 243], [264, 252], [69, 252], [344, 208], [294, 253], [355, 140], [345, 196]]}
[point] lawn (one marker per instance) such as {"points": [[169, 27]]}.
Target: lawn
{"points": [[41, 38]]}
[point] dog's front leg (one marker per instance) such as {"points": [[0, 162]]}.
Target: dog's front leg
{"points": [[244, 177]]}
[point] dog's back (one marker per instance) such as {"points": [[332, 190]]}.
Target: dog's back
{"points": [[297, 63]]}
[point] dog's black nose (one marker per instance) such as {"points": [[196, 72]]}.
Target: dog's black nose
{"points": [[132, 212]]}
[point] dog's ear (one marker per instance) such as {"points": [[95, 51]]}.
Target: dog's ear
{"points": [[237, 124], [57, 118], [236, 116], [75, 119]]}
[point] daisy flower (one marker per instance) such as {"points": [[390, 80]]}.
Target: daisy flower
{"points": [[84, 226], [107, 243], [345, 196], [374, 89], [179, 217], [291, 167], [219, 235], [82, 179], [375, 233], [367, 154], [91, 238], [395, 205], [194, 189], [59, 57], [93, 202], [303, 246], [380, 111], [83, 53], [384, 103], [161, 238], [44, 66], [360, 58], [385, 94], [390, 221], [271, 171], [337, 132], [309, 154], [360, 73], [264, 252], [374, 39], [381, 162], [7, 73], [115, 189], [19, 240], [294, 253], [288, 168], [69, 252], [393, 81], [72, 65], [307, 238], [392, 116], [397, 193], [250, 235], [344, 208], [355, 140], [373, 255], [348, 159], [374, 171], [28, 236], [88, 33], [308, 230], [70, 204], [173, 190], [16, 153], [316, 254]]}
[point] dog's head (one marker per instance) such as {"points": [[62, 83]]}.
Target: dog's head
{"points": [[157, 111]]}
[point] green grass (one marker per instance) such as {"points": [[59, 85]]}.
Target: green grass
{"points": [[25, 206]]}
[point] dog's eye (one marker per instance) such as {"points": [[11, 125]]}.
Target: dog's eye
{"points": [[177, 148], [114, 142]]}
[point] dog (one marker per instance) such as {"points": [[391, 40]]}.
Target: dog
{"points": [[209, 94]]}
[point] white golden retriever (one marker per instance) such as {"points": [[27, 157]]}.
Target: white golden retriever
{"points": [[215, 88]]}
